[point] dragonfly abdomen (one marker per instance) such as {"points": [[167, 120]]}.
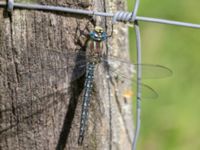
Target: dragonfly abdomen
{"points": [[86, 100]]}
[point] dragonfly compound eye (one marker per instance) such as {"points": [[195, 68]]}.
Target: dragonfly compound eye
{"points": [[96, 35]]}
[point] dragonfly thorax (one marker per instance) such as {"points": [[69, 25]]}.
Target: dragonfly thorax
{"points": [[95, 44], [94, 59], [94, 51]]}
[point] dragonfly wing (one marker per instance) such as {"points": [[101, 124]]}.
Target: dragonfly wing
{"points": [[54, 67], [71, 64], [128, 87], [147, 91], [124, 78], [149, 71], [40, 84]]}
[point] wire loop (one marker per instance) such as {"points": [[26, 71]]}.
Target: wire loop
{"points": [[122, 16]]}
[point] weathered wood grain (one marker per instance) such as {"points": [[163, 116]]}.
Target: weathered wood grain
{"points": [[43, 112]]}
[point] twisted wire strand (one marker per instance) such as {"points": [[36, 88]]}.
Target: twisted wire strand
{"points": [[122, 16], [118, 16]]}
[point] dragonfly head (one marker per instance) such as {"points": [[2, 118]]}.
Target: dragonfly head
{"points": [[98, 34]]}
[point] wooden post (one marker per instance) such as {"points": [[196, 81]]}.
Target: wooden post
{"points": [[41, 111]]}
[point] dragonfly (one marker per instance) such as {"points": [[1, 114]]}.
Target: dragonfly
{"points": [[94, 57], [72, 65]]}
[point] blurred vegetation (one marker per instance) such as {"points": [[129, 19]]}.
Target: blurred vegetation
{"points": [[172, 121]]}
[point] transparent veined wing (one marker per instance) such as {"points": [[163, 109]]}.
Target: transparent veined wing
{"points": [[127, 86], [39, 85], [43, 83], [149, 71], [54, 67], [124, 71]]}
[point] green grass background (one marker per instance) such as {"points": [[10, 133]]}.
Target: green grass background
{"points": [[171, 122]]}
